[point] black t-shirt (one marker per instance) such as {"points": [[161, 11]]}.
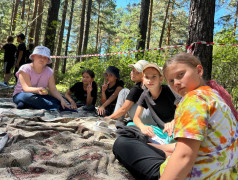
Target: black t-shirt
{"points": [[135, 93], [162, 108], [21, 47], [81, 94], [110, 91], [10, 51]]}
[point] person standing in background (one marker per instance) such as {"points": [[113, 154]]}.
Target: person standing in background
{"points": [[9, 58], [21, 53]]}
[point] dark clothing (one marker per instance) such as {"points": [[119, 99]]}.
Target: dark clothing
{"points": [[81, 94], [140, 159], [9, 54], [28, 53], [21, 47], [162, 108], [109, 91], [135, 93], [8, 66]]}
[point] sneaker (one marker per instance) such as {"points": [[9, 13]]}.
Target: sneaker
{"points": [[20, 105], [5, 83]]}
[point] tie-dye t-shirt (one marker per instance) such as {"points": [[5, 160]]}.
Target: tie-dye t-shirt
{"points": [[203, 115]]}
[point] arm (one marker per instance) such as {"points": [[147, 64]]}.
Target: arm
{"points": [[185, 153], [68, 97], [19, 58], [147, 130], [122, 110], [89, 99], [167, 148], [55, 93], [101, 109], [25, 81]]}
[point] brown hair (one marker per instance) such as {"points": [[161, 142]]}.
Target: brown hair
{"points": [[10, 39], [183, 58]]}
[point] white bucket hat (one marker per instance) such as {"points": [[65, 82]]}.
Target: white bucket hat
{"points": [[41, 50], [154, 65], [139, 65]]}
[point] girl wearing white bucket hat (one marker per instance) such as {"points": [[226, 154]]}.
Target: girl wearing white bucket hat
{"points": [[34, 81]]}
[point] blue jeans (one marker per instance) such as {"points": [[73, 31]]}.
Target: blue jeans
{"points": [[36, 101]]}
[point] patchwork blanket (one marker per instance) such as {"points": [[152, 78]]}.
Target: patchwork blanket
{"points": [[37, 144]]}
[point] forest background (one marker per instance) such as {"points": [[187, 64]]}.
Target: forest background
{"points": [[75, 27]]}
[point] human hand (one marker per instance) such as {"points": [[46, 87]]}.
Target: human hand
{"points": [[42, 91], [104, 86], [148, 131], [169, 128], [101, 110], [63, 104], [73, 104], [89, 88]]}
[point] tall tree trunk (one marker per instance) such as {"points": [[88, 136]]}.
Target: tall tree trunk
{"points": [[23, 9], [61, 34], [150, 22], [15, 15], [164, 23], [27, 18], [170, 25], [86, 31], [81, 29], [235, 23], [12, 16], [98, 23], [52, 20], [33, 24], [144, 13], [201, 26], [68, 36], [38, 22]]}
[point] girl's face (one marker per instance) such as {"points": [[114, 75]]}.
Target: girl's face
{"points": [[111, 78], [136, 76], [86, 79], [182, 78], [152, 79], [40, 60]]}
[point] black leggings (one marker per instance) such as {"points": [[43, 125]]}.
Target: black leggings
{"points": [[140, 159]]}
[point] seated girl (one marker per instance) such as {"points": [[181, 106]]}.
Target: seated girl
{"points": [[34, 81], [110, 91], [127, 99], [85, 92], [159, 99]]}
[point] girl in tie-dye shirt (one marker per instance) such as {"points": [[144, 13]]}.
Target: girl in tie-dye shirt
{"points": [[205, 127]]}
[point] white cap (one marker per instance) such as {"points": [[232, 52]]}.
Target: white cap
{"points": [[154, 65], [41, 50], [139, 65]]}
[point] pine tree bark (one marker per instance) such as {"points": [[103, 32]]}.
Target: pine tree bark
{"points": [[23, 9], [63, 70], [27, 17], [150, 22], [164, 23], [33, 23], [144, 13], [51, 26], [17, 2], [12, 16], [60, 40], [201, 26], [39, 22], [235, 23], [98, 23], [86, 31], [170, 24], [81, 29]]}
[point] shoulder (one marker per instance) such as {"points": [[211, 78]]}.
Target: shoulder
{"points": [[120, 83], [48, 70]]}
